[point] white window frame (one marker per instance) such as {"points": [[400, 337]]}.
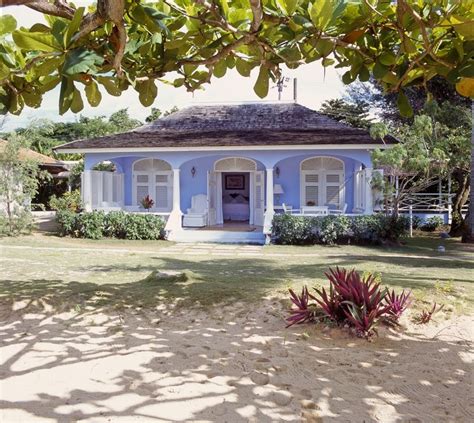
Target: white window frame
{"points": [[322, 183], [152, 184]]}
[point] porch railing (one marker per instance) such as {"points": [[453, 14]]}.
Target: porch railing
{"points": [[429, 203]]}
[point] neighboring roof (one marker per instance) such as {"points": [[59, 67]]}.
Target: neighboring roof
{"points": [[50, 164], [251, 124], [26, 153]]}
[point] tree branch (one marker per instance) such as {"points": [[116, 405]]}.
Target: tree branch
{"points": [[257, 12], [58, 8]]}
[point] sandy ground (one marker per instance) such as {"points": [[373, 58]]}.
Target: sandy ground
{"points": [[231, 364]]}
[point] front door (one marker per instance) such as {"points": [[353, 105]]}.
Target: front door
{"points": [[211, 197], [259, 196]]}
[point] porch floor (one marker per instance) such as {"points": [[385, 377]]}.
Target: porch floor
{"points": [[233, 227]]}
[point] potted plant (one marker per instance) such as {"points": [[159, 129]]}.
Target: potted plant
{"points": [[310, 203], [147, 203]]}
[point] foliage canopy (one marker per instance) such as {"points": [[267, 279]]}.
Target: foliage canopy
{"points": [[121, 44]]}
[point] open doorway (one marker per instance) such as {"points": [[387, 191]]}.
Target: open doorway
{"points": [[236, 197]]}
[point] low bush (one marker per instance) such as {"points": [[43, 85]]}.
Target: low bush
{"points": [[417, 222], [352, 299], [364, 229], [432, 223], [116, 224], [68, 201]]}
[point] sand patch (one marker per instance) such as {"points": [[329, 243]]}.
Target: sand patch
{"points": [[231, 364]]}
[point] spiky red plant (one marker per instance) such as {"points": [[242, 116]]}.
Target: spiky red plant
{"points": [[397, 303], [302, 311], [426, 315]]}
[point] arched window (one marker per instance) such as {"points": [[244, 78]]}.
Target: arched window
{"points": [[235, 164], [153, 177], [322, 182]]}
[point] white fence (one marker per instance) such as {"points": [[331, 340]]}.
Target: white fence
{"points": [[429, 203]]}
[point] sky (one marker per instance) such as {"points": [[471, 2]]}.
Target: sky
{"points": [[315, 85]]}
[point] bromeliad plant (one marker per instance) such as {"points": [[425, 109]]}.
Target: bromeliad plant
{"points": [[397, 303], [426, 315], [302, 310], [147, 202], [352, 299]]}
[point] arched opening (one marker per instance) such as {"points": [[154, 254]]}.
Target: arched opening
{"points": [[322, 182], [235, 164], [236, 192], [153, 178]]}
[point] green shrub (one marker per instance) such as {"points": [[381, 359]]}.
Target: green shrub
{"points": [[20, 222], [68, 201], [91, 225], [432, 223], [67, 220], [364, 229], [417, 222], [145, 226], [116, 224]]}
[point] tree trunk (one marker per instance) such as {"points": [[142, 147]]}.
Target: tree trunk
{"points": [[468, 235], [458, 223]]}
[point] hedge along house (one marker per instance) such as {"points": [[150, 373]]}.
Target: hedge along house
{"points": [[231, 163]]}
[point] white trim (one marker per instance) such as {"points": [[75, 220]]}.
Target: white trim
{"points": [[322, 183], [226, 148], [235, 169]]}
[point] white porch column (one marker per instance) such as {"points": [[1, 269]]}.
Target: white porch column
{"points": [[368, 206], [86, 190], [174, 220], [270, 211]]}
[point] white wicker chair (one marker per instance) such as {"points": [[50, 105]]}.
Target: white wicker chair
{"points": [[196, 216]]}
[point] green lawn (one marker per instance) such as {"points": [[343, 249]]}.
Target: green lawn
{"points": [[58, 274]]}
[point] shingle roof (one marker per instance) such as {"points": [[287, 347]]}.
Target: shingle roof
{"points": [[27, 154], [251, 124]]}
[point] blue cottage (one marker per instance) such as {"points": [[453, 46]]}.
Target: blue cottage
{"points": [[232, 165]]}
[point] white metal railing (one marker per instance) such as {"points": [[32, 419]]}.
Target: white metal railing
{"points": [[436, 203], [428, 203]]}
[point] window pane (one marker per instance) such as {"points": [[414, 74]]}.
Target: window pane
{"points": [[314, 178], [142, 192], [163, 179], [161, 196], [332, 195], [142, 178], [332, 178], [311, 194]]}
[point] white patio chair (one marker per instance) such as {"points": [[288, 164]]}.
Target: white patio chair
{"points": [[339, 211], [196, 216]]}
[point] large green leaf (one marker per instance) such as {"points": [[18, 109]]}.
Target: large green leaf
{"points": [[220, 69], [151, 18], [243, 67], [66, 94], [35, 41], [110, 85], [4, 71], [404, 105], [74, 25], [76, 104], [7, 24], [288, 6], [262, 84], [81, 60], [323, 13], [147, 91], [93, 94]]}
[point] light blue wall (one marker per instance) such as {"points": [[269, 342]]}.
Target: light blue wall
{"points": [[287, 160]]}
